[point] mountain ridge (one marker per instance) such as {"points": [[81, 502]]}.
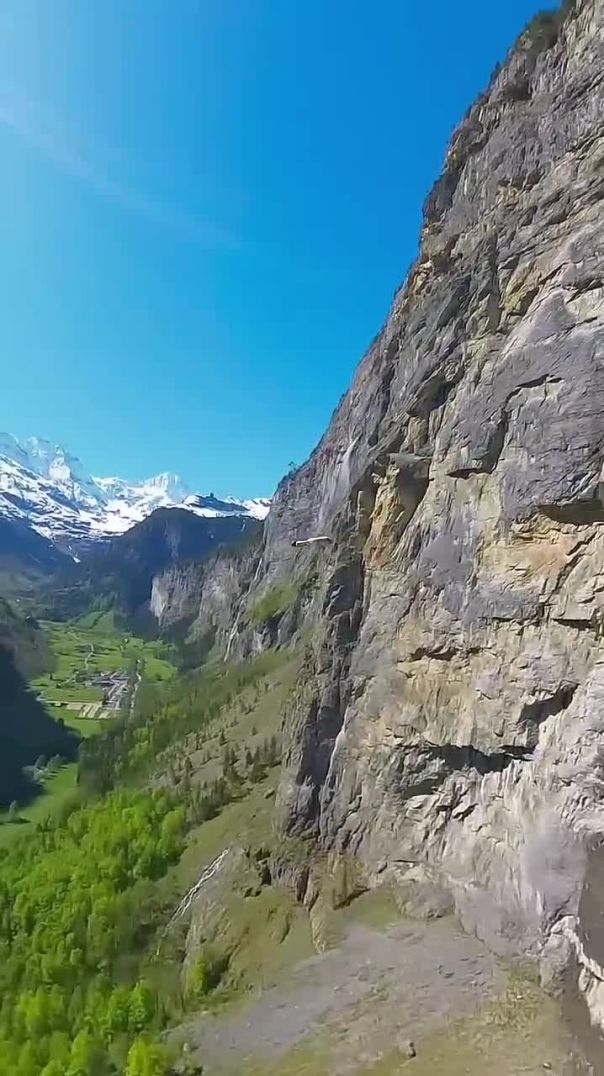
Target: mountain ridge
{"points": [[118, 574], [48, 489]]}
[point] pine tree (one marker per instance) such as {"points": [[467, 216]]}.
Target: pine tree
{"points": [[258, 771], [274, 755], [147, 1059], [141, 1008], [88, 1057]]}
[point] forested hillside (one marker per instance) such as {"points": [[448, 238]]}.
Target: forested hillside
{"points": [[24, 639], [81, 904]]}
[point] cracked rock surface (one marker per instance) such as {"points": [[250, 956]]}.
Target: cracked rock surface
{"points": [[455, 725], [450, 730]]}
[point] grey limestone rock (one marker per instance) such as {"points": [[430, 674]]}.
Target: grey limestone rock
{"points": [[451, 722], [454, 722]]}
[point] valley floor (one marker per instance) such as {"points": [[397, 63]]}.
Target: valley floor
{"points": [[94, 663]]}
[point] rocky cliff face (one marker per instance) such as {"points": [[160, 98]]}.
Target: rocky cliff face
{"points": [[451, 730], [204, 601]]}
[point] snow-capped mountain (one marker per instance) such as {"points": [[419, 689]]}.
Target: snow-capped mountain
{"points": [[44, 486], [127, 503]]}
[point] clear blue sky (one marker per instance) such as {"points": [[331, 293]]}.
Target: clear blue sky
{"points": [[205, 207]]}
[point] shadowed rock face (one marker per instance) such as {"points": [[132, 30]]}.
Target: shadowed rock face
{"points": [[451, 726]]}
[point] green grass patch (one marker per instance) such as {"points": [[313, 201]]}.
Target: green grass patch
{"points": [[261, 929], [376, 908], [246, 821], [252, 718], [54, 690], [157, 669], [84, 726]]}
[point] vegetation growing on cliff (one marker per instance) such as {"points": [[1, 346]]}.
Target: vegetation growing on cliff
{"points": [[543, 29], [273, 604]]}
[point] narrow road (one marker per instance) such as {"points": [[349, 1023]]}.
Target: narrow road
{"points": [[72, 679]]}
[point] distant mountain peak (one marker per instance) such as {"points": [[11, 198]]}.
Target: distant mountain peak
{"points": [[43, 485], [165, 485]]}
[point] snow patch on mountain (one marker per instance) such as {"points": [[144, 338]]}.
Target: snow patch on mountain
{"points": [[47, 487]]}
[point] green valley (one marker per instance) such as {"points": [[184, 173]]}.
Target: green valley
{"points": [[89, 655], [91, 672], [304, 777]]}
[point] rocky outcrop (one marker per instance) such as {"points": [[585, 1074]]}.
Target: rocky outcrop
{"points": [[450, 730], [453, 731]]}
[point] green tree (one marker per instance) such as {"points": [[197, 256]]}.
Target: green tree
{"points": [[229, 766], [28, 1064], [88, 1057], [53, 1068], [206, 973], [141, 1008], [59, 1050], [147, 1059], [36, 1014], [117, 1012], [258, 769]]}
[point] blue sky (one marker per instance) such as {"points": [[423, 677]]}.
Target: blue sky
{"points": [[205, 207]]}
